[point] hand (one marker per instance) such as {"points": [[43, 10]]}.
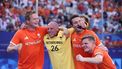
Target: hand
{"points": [[65, 30], [23, 26], [13, 47], [80, 58], [18, 47], [62, 28], [103, 48]]}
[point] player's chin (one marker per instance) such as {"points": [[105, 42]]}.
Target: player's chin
{"points": [[86, 50], [78, 29], [36, 25], [51, 35]]}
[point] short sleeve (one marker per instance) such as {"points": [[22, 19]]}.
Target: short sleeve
{"points": [[97, 51], [43, 29], [98, 42], [16, 38]]}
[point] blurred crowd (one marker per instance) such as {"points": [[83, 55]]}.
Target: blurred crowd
{"points": [[12, 13]]}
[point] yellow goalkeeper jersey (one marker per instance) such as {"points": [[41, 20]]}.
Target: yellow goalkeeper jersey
{"points": [[59, 49]]}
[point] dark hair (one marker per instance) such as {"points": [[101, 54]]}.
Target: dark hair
{"points": [[28, 14], [72, 17], [86, 19], [90, 37]]}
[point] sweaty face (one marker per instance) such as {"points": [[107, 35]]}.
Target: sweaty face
{"points": [[34, 20], [78, 24], [87, 45], [52, 29]]}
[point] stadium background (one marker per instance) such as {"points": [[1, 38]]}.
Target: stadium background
{"points": [[105, 19]]}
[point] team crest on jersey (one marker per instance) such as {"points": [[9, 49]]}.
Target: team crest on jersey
{"points": [[38, 35], [74, 39], [26, 38]]}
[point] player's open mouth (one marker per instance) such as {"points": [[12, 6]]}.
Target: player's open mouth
{"points": [[79, 27]]}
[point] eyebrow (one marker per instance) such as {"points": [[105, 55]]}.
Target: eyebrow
{"points": [[35, 18]]}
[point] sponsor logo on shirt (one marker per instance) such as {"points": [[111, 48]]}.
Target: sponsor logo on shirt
{"points": [[38, 35], [54, 42], [74, 39], [33, 43], [26, 38], [77, 46]]}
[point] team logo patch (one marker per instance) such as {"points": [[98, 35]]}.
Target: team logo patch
{"points": [[26, 38]]}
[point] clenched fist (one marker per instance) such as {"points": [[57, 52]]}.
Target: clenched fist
{"points": [[80, 58]]}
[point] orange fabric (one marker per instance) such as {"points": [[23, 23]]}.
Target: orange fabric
{"points": [[14, 11], [107, 61], [31, 55], [55, 11], [41, 11], [47, 12], [69, 1], [77, 49], [90, 1], [33, 1]]}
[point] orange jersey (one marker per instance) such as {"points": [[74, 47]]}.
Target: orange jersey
{"points": [[77, 49], [107, 61], [31, 55]]}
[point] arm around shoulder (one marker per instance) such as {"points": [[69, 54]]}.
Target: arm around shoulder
{"points": [[13, 47], [103, 47], [96, 60]]}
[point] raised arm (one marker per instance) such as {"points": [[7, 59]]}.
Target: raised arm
{"points": [[66, 31]]}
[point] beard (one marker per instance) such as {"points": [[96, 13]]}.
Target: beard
{"points": [[51, 35], [34, 25]]}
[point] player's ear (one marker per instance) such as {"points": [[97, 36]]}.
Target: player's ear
{"points": [[87, 25]]}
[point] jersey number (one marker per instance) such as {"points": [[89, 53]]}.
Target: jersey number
{"points": [[54, 48]]}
